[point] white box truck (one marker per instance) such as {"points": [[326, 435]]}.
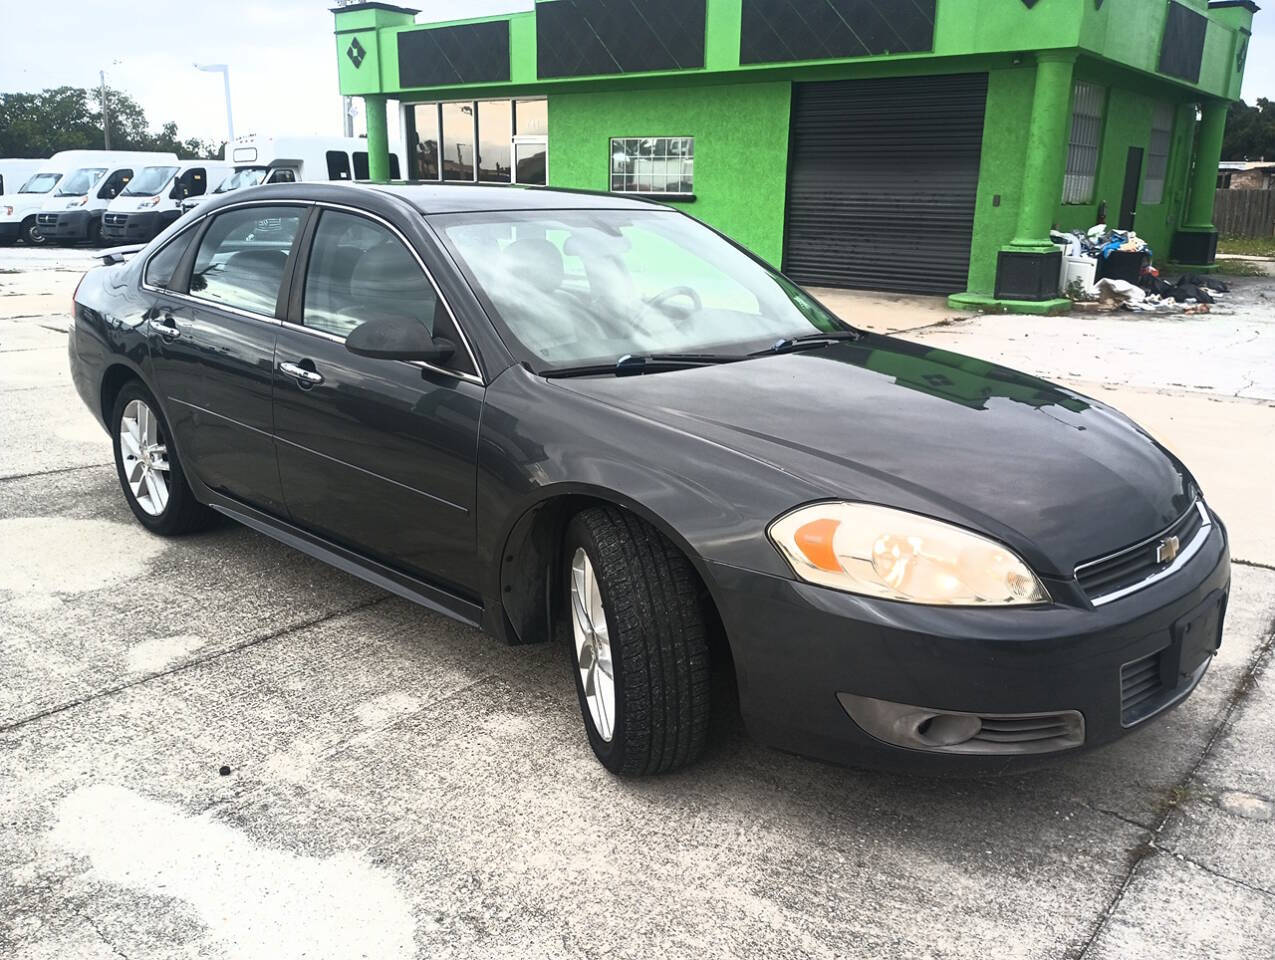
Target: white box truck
{"points": [[152, 200], [259, 160], [73, 211]]}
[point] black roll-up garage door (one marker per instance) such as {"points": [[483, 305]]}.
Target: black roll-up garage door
{"points": [[882, 182]]}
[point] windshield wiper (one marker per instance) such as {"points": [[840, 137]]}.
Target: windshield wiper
{"points": [[813, 341], [633, 365]]}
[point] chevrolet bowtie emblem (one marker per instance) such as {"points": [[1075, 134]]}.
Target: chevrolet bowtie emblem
{"points": [[1167, 550]]}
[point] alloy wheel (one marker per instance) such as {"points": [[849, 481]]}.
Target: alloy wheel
{"points": [[593, 645], [145, 455]]}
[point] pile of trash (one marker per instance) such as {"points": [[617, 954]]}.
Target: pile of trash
{"points": [[1190, 295], [1131, 281]]}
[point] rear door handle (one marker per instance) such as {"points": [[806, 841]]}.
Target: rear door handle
{"points": [[166, 328], [304, 376]]}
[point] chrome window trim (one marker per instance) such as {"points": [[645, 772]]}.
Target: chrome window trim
{"points": [[411, 248], [1188, 551]]}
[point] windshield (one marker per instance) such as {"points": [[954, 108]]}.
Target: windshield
{"points": [[592, 286], [247, 177], [41, 183], [80, 182], [150, 182]]}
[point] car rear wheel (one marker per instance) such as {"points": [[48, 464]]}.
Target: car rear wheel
{"points": [[31, 232], [149, 471], [639, 644]]}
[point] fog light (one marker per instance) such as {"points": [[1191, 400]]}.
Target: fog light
{"points": [[948, 729]]}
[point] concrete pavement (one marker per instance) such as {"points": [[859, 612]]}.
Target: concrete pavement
{"points": [[216, 747]]}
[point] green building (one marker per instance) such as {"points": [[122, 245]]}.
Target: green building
{"points": [[906, 145]]}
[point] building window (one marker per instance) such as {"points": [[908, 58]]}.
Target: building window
{"points": [[1158, 153], [478, 141], [661, 165], [1086, 138]]}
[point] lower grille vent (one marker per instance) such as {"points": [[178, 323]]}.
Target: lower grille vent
{"points": [[1141, 686]]}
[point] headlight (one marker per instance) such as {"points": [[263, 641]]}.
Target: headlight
{"points": [[77, 202], [150, 202], [8, 211], [880, 552]]}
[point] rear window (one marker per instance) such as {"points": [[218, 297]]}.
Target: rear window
{"points": [[243, 256]]}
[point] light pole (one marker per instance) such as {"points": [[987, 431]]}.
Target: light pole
{"points": [[224, 70]]}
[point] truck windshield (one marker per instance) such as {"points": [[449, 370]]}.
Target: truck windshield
{"points": [[150, 182], [243, 177], [41, 183], [80, 182]]}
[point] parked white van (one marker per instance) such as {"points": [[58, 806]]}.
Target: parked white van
{"points": [[14, 173], [74, 209], [260, 160], [152, 200], [18, 208]]}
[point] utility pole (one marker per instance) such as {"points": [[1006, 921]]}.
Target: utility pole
{"points": [[106, 113]]}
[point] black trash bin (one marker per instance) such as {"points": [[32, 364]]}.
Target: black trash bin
{"points": [[1123, 266]]}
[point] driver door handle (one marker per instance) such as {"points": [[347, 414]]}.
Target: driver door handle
{"points": [[166, 328], [304, 376]]}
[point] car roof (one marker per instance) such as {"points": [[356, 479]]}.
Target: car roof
{"points": [[437, 198]]}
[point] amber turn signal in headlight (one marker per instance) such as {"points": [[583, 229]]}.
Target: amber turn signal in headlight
{"points": [[896, 555]]}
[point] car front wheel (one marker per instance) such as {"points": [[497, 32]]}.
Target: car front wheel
{"points": [[31, 233], [639, 643], [149, 470]]}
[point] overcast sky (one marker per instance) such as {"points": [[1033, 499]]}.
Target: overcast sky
{"points": [[281, 53]]}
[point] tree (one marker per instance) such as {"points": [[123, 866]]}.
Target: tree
{"points": [[70, 118], [1250, 131]]}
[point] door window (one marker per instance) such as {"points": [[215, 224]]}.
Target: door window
{"points": [[282, 175], [192, 183], [360, 271], [338, 165], [243, 256], [114, 184], [361, 168]]}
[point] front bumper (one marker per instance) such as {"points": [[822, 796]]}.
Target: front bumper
{"points": [[140, 226], [805, 656], [10, 230], [65, 225]]}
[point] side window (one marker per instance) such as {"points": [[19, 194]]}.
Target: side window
{"points": [[192, 183], [243, 255], [360, 271], [282, 175], [361, 170], [338, 165], [113, 184], [159, 269], [395, 172]]}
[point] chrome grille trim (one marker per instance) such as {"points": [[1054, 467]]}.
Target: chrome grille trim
{"points": [[1187, 552]]}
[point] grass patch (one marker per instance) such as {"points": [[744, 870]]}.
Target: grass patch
{"points": [[1247, 246]]}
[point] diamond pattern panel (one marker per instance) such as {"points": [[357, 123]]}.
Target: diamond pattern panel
{"points": [[776, 31], [466, 53], [580, 38]]}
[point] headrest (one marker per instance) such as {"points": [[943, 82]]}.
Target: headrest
{"points": [[536, 262]]}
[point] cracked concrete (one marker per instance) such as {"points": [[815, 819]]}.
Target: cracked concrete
{"points": [[398, 785]]}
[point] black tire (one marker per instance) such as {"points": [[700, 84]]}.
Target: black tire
{"points": [[183, 513], [658, 641], [31, 234]]}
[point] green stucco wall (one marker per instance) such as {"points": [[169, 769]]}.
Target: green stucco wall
{"points": [[1009, 110], [741, 149]]}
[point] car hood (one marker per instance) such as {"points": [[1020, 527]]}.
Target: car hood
{"points": [[1056, 475]]}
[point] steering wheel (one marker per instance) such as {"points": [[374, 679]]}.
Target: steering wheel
{"points": [[679, 316]]}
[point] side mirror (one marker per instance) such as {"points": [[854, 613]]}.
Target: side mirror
{"points": [[398, 338]]}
